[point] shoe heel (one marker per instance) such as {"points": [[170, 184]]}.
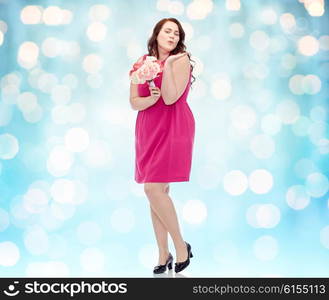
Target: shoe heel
{"points": [[191, 255], [170, 266]]}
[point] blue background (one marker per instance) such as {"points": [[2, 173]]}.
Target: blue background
{"points": [[257, 201]]}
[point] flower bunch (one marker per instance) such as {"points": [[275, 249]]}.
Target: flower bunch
{"points": [[145, 70]]}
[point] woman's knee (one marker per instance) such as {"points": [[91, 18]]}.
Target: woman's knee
{"points": [[167, 189], [151, 188]]}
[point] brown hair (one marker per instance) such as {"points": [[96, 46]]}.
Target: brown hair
{"points": [[152, 44]]}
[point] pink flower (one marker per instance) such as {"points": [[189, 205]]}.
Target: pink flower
{"points": [[136, 66], [145, 70]]}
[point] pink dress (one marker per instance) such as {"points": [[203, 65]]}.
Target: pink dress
{"points": [[164, 137]]}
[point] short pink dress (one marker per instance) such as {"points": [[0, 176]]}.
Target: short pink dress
{"points": [[164, 138]]}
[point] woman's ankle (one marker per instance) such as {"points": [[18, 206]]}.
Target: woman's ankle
{"points": [[163, 252]]}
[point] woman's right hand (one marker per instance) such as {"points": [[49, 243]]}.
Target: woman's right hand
{"points": [[155, 93]]}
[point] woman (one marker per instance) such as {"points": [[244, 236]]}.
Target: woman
{"points": [[165, 136]]}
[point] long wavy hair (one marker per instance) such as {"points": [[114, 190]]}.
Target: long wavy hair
{"points": [[152, 44]]}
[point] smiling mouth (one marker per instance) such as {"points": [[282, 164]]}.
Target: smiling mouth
{"points": [[170, 42]]}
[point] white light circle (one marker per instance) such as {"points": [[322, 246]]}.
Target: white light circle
{"points": [[235, 182], [297, 197], [194, 212], [9, 254], [260, 181]]}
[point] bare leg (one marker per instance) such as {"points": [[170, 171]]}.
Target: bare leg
{"points": [[163, 207], [161, 234]]}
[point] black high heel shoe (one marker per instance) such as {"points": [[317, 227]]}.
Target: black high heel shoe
{"points": [[180, 266], [163, 268]]}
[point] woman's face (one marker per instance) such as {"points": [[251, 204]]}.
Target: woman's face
{"points": [[168, 36]]}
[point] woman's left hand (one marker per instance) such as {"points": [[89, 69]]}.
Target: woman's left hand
{"points": [[174, 57]]}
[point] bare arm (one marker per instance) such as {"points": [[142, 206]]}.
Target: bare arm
{"points": [[174, 80], [140, 103]]}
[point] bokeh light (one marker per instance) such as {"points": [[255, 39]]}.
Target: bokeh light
{"points": [[259, 188]]}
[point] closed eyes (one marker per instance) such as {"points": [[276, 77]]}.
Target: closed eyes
{"points": [[167, 31]]}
